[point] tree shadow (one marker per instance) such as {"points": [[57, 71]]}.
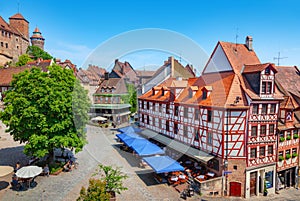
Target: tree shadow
{"points": [[11, 155], [3, 185]]}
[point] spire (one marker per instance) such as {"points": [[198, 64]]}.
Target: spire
{"points": [[37, 38]]}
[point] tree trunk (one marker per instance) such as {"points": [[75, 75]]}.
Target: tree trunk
{"points": [[112, 196]]}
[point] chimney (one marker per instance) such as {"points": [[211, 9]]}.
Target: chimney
{"points": [[171, 59], [106, 76], [249, 41], [116, 60]]}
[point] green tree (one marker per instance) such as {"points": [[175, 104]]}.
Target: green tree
{"points": [[37, 52], [132, 97], [23, 59], [95, 192], [113, 177], [39, 110]]}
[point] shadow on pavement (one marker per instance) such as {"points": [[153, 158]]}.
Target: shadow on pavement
{"points": [[10, 156], [147, 176], [3, 185], [131, 159]]}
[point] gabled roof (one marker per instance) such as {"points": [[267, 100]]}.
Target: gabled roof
{"points": [[88, 77], [6, 74], [4, 25], [220, 96], [18, 16], [288, 103], [237, 55], [118, 84], [258, 67], [289, 78], [145, 73], [96, 69]]}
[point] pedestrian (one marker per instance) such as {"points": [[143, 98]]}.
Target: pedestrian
{"points": [[46, 170], [17, 166]]}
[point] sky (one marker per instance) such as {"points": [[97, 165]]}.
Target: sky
{"points": [[145, 33]]}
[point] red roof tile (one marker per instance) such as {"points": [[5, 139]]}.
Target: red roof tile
{"points": [[18, 16], [258, 67], [238, 55]]}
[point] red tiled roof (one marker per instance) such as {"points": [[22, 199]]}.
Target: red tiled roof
{"points": [[18, 16], [258, 67], [238, 55], [220, 96], [289, 78], [6, 74], [145, 73], [36, 29], [4, 24]]}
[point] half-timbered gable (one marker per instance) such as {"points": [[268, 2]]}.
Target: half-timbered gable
{"points": [[287, 81]]}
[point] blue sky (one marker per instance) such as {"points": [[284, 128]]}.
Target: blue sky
{"points": [[74, 29]]}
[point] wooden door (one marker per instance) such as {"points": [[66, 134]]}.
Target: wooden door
{"points": [[253, 183], [235, 189]]}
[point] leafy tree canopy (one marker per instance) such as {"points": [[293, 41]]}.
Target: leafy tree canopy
{"points": [[132, 97], [37, 52], [23, 59], [46, 110], [95, 192]]}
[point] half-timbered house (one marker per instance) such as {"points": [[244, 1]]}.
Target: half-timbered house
{"points": [[230, 112], [288, 126]]}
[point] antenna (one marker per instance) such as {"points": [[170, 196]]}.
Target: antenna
{"points": [[18, 6], [279, 58], [236, 37]]}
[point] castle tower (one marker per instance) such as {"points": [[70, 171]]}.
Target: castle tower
{"points": [[19, 23], [37, 39]]}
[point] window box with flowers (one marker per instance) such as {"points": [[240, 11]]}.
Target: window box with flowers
{"points": [[287, 156], [281, 139], [294, 155], [288, 137], [280, 158], [296, 136]]}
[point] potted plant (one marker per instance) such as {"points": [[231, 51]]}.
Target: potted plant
{"points": [[265, 188], [296, 136], [287, 156], [294, 155], [113, 177], [288, 137], [280, 158], [281, 139]]}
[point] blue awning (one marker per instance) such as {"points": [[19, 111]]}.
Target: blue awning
{"points": [[147, 149], [135, 142], [129, 129], [125, 136], [163, 164]]}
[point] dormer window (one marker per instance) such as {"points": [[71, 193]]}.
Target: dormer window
{"points": [[267, 71], [204, 94], [190, 94], [266, 88]]}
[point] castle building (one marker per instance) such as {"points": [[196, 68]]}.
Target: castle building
{"points": [[14, 38], [37, 39]]}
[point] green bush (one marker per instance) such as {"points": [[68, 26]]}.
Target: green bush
{"points": [[296, 136], [288, 137], [294, 155], [287, 156], [280, 158], [54, 167], [281, 139]]}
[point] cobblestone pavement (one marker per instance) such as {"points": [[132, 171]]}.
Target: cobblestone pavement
{"points": [[102, 148]]}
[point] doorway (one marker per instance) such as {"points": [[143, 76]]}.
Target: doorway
{"points": [[235, 189], [253, 176]]}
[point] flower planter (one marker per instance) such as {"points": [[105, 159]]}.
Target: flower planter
{"points": [[112, 196], [57, 172]]}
